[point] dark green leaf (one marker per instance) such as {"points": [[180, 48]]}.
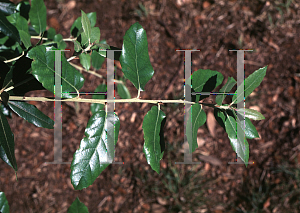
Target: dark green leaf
{"points": [[8, 29], [205, 81], [198, 118], [86, 165], [43, 70], [251, 83], [24, 8], [96, 107], [38, 16], [7, 143], [135, 60], [225, 89], [5, 110], [31, 114], [7, 7], [77, 207], [228, 121], [152, 128], [4, 207]]}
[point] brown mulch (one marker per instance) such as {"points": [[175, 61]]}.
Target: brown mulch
{"points": [[271, 184]]}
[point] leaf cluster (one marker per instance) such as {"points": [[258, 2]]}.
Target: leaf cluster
{"points": [[26, 67]]}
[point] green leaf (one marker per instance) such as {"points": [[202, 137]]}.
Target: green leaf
{"points": [[31, 114], [134, 59], [92, 17], [77, 207], [123, 91], [251, 83], [7, 8], [225, 89], [38, 16], [96, 107], [85, 60], [61, 44], [86, 25], [205, 81], [84, 40], [77, 46], [228, 121], [7, 143], [8, 29], [251, 113], [25, 38], [4, 207], [97, 60], [76, 27], [51, 33], [239, 145], [95, 34], [43, 71], [24, 8], [152, 128], [86, 165], [198, 118]]}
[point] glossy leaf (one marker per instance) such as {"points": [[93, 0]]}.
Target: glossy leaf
{"points": [[97, 60], [225, 89], [152, 128], [31, 114], [123, 91], [134, 59], [228, 121], [205, 81], [96, 107], [4, 207], [251, 113], [7, 143], [251, 83], [77, 207], [86, 25], [5, 110], [85, 60], [7, 8], [43, 71], [198, 118], [8, 29], [38, 16], [86, 165], [239, 144]]}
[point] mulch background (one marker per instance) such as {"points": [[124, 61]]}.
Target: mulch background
{"points": [[271, 184]]}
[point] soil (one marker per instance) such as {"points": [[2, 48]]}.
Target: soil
{"points": [[270, 28]]}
